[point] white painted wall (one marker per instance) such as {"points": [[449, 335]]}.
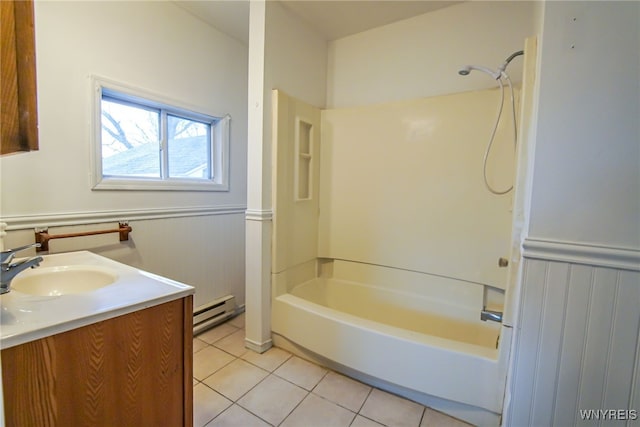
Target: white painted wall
{"points": [[421, 56], [284, 54], [577, 334], [586, 184], [160, 48], [156, 46], [295, 62]]}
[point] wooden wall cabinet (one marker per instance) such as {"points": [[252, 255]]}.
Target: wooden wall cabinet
{"points": [[132, 370], [19, 115]]}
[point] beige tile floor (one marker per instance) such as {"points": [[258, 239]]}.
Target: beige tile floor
{"points": [[233, 386]]}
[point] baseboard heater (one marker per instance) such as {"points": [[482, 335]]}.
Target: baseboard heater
{"points": [[215, 312]]}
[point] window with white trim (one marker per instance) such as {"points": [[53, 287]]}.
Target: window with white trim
{"points": [[143, 142]]}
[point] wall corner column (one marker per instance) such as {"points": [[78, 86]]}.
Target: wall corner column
{"points": [[258, 280], [259, 215]]}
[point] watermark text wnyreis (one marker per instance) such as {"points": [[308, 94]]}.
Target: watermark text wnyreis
{"points": [[608, 414]]}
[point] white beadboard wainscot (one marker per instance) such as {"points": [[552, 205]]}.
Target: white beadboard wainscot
{"points": [[578, 335], [200, 246]]}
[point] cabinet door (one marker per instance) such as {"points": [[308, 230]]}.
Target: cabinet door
{"points": [[18, 91], [132, 370]]}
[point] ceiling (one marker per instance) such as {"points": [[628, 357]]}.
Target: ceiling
{"points": [[333, 19]]}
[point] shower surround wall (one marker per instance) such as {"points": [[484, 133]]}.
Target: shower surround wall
{"points": [[403, 70], [380, 65], [389, 200], [402, 186]]}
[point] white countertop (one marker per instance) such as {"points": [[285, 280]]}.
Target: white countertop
{"points": [[25, 317]]}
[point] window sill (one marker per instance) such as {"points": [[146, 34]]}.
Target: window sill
{"points": [[157, 185]]}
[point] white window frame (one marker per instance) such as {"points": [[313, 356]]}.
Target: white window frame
{"points": [[219, 144]]}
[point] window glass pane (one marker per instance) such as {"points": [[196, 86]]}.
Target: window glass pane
{"points": [[130, 140], [149, 144], [188, 142]]}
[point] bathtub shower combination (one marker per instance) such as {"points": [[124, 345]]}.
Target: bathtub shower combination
{"points": [[386, 244], [386, 334]]}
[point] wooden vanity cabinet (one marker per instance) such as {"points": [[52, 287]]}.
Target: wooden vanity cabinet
{"points": [[19, 124], [132, 370]]}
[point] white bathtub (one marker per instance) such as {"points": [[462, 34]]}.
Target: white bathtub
{"points": [[435, 352]]}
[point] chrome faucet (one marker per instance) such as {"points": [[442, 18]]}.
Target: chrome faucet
{"points": [[495, 316], [9, 269]]}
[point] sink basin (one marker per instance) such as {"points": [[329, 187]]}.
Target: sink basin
{"points": [[70, 290], [63, 280]]}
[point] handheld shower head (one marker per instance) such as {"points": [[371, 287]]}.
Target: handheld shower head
{"points": [[497, 75], [464, 71], [506, 62]]}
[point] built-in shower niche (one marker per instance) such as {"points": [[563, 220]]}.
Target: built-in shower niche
{"points": [[296, 182], [304, 159]]}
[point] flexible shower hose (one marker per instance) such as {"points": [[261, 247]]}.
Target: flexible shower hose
{"points": [[495, 128]]}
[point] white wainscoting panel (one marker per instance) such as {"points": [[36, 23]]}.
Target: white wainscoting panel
{"points": [[204, 250], [577, 343]]}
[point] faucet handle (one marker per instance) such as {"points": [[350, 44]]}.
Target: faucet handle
{"points": [[7, 256]]}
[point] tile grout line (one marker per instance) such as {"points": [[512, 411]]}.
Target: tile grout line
{"points": [[362, 406], [221, 367], [241, 396], [424, 411], [308, 391], [295, 385], [365, 400], [247, 409], [212, 344], [319, 381], [336, 403], [221, 338], [295, 407], [274, 369], [235, 402]]}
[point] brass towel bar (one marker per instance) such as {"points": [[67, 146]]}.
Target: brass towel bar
{"points": [[43, 237]]}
